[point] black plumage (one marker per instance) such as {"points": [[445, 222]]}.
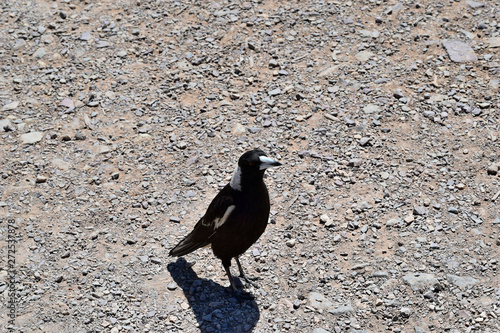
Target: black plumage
{"points": [[236, 217]]}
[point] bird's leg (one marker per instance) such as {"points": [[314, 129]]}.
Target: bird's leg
{"points": [[239, 294], [244, 277], [229, 276]]}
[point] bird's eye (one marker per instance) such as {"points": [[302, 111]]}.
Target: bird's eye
{"points": [[251, 163]]}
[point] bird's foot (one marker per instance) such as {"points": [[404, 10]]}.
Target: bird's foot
{"points": [[250, 280], [243, 276], [243, 295], [240, 294]]}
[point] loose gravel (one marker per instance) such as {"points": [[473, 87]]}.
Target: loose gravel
{"points": [[120, 120]]}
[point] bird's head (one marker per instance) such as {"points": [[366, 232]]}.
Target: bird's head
{"points": [[251, 167], [256, 160]]}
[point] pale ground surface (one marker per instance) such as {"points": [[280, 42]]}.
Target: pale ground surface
{"points": [[385, 215]]}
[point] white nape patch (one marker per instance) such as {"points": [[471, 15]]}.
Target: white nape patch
{"points": [[266, 162], [220, 221], [236, 180]]}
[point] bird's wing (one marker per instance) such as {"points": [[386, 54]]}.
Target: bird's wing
{"points": [[218, 211], [216, 215]]}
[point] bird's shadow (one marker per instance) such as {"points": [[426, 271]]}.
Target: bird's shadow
{"points": [[215, 307]]}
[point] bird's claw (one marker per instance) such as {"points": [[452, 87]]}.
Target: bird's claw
{"points": [[250, 280], [243, 296]]}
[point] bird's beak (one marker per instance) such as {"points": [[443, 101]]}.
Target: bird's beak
{"points": [[266, 162]]}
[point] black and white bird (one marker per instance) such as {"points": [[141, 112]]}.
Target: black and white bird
{"points": [[236, 217]]}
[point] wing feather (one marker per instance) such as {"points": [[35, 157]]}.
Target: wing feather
{"points": [[217, 213]]}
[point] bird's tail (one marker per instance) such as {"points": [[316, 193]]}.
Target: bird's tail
{"points": [[187, 245]]}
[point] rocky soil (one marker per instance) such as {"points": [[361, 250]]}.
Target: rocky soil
{"points": [[120, 120]]}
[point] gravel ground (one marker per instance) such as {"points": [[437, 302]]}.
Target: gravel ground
{"points": [[120, 120]]}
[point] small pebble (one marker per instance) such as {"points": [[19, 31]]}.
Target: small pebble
{"points": [[493, 169], [419, 210], [40, 179]]}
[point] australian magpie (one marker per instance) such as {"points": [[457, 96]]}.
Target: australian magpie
{"points": [[236, 217]]}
